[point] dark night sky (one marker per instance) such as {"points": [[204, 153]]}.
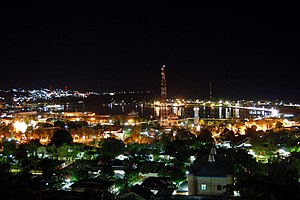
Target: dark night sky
{"points": [[245, 53]]}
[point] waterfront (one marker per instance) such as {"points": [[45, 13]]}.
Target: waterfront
{"points": [[150, 111]]}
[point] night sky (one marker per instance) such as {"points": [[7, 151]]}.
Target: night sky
{"points": [[244, 52]]}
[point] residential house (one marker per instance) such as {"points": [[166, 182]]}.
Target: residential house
{"points": [[210, 176]]}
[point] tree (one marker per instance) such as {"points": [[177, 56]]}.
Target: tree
{"points": [[48, 167], [107, 171], [60, 137], [183, 134], [21, 156], [148, 167], [4, 168], [178, 174], [180, 149], [112, 147], [32, 147], [59, 124], [276, 184], [205, 136], [131, 172], [227, 135], [9, 147], [64, 151], [133, 148], [80, 170]]}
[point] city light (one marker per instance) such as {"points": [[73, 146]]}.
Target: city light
{"points": [[20, 126]]}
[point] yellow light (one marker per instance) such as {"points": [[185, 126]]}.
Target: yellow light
{"points": [[20, 126]]}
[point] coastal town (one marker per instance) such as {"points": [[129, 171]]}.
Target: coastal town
{"points": [[51, 147], [144, 101]]}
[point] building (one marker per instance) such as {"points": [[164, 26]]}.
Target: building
{"points": [[209, 177]]}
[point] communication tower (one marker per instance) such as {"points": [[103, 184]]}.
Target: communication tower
{"points": [[163, 94]]}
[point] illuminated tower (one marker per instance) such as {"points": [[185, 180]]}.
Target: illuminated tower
{"points": [[163, 95], [163, 85]]}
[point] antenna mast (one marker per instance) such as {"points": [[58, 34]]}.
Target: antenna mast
{"points": [[163, 94]]}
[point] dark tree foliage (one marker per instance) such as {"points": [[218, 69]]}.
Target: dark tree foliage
{"points": [[21, 156], [9, 147], [80, 170], [227, 135], [32, 146], [149, 167], [180, 149], [183, 134], [77, 124], [107, 171], [4, 168], [133, 148], [112, 147], [281, 182], [59, 124], [205, 136], [19, 186], [177, 174], [48, 167], [60, 137], [21, 152]]}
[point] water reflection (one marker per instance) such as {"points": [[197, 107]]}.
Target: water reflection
{"points": [[236, 113], [146, 111], [220, 113], [156, 111]]}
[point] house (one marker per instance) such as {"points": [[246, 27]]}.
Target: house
{"points": [[182, 189], [71, 195], [162, 187], [113, 130], [173, 119], [210, 176], [137, 192], [94, 185], [131, 196]]}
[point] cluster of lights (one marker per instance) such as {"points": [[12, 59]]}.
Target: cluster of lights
{"points": [[20, 126]]}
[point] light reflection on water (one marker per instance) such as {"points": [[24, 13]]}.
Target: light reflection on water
{"points": [[150, 111]]}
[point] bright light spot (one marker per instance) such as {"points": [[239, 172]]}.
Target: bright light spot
{"points": [[283, 152], [20, 126], [274, 113]]}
